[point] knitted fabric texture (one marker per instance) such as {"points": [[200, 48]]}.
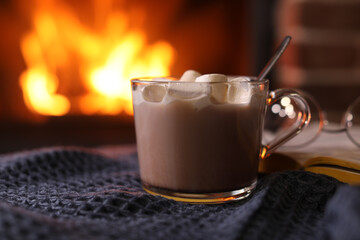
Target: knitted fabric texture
{"points": [[70, 193]]}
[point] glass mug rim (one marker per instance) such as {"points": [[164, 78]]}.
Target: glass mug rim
{"points": [[158, 80], [214, 196]]}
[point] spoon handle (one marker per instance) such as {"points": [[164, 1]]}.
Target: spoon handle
{"points": [[269, 65]]}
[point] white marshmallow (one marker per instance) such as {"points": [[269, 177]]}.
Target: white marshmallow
{"points": [[188, 90], [214, 77], [239, 92], [218, 86], [137, 96], [219, 92], [189, 76], [239, 79], [154, 92]]}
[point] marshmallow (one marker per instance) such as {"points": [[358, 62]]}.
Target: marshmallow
{"points": [[154, 92], [218, 86], [239, 79], [136, 96], [188, 90], [189, 76], [239, 92], [215, 77], [219, 92]]}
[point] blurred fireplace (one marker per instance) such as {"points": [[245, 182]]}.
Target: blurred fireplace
{"points": [[65, 65]]}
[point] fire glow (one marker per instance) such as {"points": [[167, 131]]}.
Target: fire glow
{"points": [[105, 59]]}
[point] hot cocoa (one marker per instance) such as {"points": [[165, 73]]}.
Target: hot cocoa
{"points": [[199, 138]]}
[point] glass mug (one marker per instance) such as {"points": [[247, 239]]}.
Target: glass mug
{"points": [[200, 142]]}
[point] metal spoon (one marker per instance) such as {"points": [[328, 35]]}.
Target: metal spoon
{"points": [[270, 64]]}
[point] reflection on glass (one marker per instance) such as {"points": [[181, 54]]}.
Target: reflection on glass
{"points": [[282, 115]]}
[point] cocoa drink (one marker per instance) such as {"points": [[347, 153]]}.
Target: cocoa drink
{"points": [[199, 138]]}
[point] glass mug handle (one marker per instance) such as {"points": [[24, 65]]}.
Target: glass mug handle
{"points": [[302, 118]]}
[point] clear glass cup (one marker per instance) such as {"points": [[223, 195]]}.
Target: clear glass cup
{"points": [[201, 142]]}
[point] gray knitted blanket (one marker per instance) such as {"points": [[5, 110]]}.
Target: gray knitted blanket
{"points": [[72, 193]]}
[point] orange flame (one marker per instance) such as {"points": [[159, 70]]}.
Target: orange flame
{"points": [[107, 60]]}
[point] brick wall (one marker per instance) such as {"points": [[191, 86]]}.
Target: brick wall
{"points": [[324, 55]]}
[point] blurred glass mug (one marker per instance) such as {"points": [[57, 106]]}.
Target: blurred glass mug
{"points": [[200, 142]]}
